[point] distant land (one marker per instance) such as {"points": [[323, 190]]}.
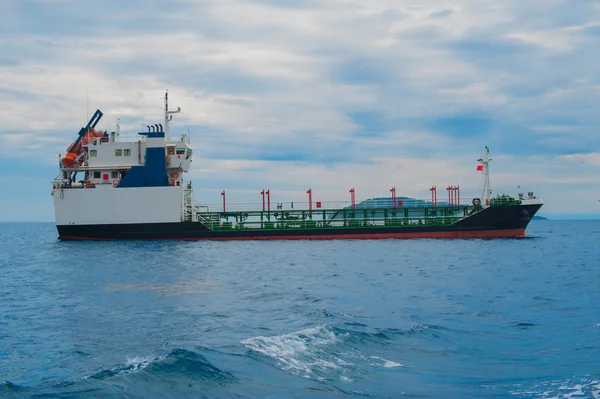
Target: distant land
{"points": [[539, 218]]}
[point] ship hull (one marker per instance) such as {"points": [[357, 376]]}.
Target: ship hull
{"points": [[493, 222]]}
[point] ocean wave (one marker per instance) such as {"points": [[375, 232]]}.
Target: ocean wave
{"points": [[302, 352], [7, 387], [179, 362], [189, 364], [568, 389], [129, 366], [321, 353]]}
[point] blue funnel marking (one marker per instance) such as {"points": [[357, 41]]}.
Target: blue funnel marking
{"points": [[153, 174]]}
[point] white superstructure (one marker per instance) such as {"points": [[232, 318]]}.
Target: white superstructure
{"points": [[105, 179]]}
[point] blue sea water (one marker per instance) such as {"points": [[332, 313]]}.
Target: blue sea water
{"points": [[503, 318]]}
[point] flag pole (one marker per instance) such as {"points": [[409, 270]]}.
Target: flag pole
{"points": [[485, 161]]}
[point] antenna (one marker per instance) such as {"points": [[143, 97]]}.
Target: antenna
{"points": [[87, 106], [168, 114]]}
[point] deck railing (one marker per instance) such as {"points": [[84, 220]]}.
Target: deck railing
{"points": [[372, 203], [333, 218]]}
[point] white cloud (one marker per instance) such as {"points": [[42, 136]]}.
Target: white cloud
{"points": [[589, 159], [553, 40]]}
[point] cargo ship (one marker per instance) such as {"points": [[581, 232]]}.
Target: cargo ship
{"points": [[115, 188]]}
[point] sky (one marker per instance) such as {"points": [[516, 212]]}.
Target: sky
{"points": [[330, 95]]}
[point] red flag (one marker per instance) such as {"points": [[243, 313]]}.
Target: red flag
{"points": [[479, 167]]}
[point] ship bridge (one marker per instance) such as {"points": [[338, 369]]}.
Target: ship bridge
{"points": [[149, 159]]}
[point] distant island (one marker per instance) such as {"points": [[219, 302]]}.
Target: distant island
{"points": [[539, 218]]}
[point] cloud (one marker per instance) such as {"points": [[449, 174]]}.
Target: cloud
{"points": [[589, 159], [342, 91]]}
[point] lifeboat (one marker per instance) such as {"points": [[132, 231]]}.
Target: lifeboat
{"points": [[69, 159]]}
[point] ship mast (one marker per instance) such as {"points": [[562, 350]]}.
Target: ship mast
{"points": [[485, 161], [168, 115]]}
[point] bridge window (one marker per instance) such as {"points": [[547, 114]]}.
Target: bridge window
{"points": [[96, 175], [118, 152], [127, 152], [93, 153], [180, 151], [114, 174]]}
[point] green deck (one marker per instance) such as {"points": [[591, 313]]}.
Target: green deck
{"points": [[341, 218], [333, 218]]}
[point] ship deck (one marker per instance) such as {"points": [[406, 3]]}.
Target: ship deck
{"points": [[417, 214], [332, 218]]}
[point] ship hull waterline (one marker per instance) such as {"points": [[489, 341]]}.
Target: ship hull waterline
{"points": [[493, 222]]}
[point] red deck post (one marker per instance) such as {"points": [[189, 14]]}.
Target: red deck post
{"points": [[393, 191], [449, 189], [353, 198], [268, 192], [309, 192], [263, 198], [433, 195], [453, 195], [223, 194]]}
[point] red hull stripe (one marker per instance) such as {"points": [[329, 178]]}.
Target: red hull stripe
{"points": [[511, 233]]}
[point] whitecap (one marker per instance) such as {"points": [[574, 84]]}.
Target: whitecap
{"points": [[387, 363], [301, 353], [138, 363], [131, 365], [568, 389]]}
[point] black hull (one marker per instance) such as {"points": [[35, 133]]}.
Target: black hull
{"points": [[492, 222]]}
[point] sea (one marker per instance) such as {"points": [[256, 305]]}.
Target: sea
{"points": [[477, 318]]}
